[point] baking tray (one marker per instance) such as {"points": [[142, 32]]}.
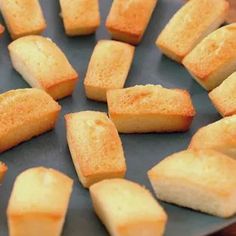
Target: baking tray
{"points": [[142, 151]]}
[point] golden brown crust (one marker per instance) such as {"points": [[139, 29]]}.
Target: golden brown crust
{"points": [[43, 65], [95, 147], [150, 105], [194, 21], [150, 99], [124, 36], [3, 170], [119, 203], [25, 113], [224, 96], [213, 59], [80, 17], [125, 24], [63, 88], [220, 136], [108, 68], [194, 178], [23, 17]]}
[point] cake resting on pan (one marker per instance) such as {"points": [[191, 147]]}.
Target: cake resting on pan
{"points": [[150, 108]]}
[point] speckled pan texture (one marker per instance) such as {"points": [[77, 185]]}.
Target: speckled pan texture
{"points": [[142, 151]]}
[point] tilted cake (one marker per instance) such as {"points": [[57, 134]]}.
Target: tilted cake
{"points": [[214, 58], [23, 17], [95, 147], [25, 113], [128, 20], [190, 24], [126, 208], [204, 180], [224, 96], [219, 136], [39, 202], [150, 108], [43, 65], [108, 68]]}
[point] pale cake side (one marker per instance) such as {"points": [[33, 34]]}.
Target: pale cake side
{"points": [[25, 113], [3, 170], [43, 65], [150, 108], [126, 208], [95, 147], [214, 58], [108, 68], [224, 96], [204, 180], [80, 17], [23, 17], [220, 136], [189, 25], [39, 202], [125, 24]]}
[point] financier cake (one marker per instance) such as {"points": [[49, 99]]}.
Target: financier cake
{"points": [[25, 113], [128, 20], [224, 96], [23, 17], [219, 136], [204, 180], [43, 65], [126, 208], [80, 17], [150, 108], [193, 22], [95, 147], [39, 202], [108, 68], [3, 170], [214, 58]]}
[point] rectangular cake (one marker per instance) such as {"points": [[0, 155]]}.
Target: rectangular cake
{"points": [[224, 96], [150, 108], [214, 58], [108, 68], [189, 25], [95, 147], [25, 113], [203, 180], [219, 136], [127, 209], [43, 65], [80, 17], [23, 17], [128, 20], [38, 203]]}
